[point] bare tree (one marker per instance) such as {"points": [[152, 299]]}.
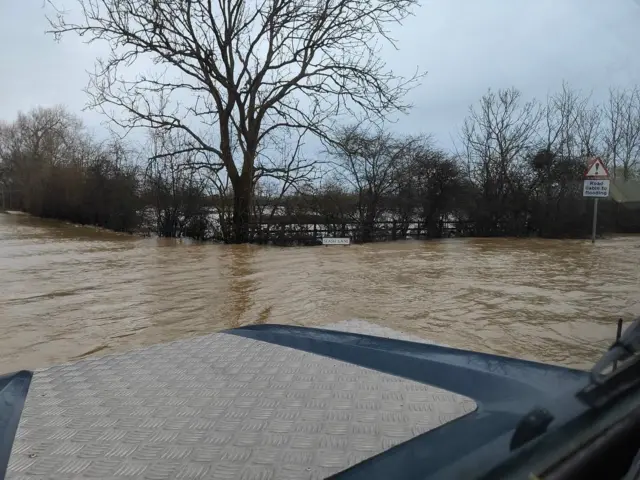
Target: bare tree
{"points": [[496, 137], [236, 72], [589, 131], [561, 114], [629, 147], [175, 191], [440, 187], [564, 127], [221, 192], [613, 112], [622, 133], [369, 161], [332, 203]]}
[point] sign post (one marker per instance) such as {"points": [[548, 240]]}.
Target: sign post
{"points": [[594, 224], [596, 185]]}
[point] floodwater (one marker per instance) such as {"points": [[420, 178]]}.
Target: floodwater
{"points": [[68, 291]]}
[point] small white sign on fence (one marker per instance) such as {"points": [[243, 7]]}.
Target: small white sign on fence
{"points": [[336, 241]]}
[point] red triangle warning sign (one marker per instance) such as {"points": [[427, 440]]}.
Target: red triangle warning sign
{"points": [[597, 170]]}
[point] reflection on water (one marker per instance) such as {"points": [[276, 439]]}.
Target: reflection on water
{"points": [[68, 291]]}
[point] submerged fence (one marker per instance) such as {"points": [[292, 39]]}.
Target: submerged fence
{"points": [[290, 233]]}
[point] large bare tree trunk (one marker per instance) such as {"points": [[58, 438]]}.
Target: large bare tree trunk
{"points": [[242, 194]]}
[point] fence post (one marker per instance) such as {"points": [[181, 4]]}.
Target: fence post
{"points": [[393, 231]]}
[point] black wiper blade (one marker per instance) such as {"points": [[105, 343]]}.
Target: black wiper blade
{"points": [[625, 347], [617, 371]]}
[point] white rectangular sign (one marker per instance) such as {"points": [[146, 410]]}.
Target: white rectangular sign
{"points": [[596, 188], [336, 241]]}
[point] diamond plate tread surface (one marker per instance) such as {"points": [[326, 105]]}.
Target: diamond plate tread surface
{"points": [[221, 407]]}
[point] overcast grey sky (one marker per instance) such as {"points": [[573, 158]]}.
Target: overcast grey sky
{"points": [[466, 46]]}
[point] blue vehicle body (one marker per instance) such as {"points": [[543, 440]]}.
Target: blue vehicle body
{"points": [[13, 393], [519, 403], [505, 390]]}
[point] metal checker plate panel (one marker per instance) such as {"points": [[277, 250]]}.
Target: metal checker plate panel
{"points": [[219, 407]]}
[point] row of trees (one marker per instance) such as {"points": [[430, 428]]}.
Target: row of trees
{"points": [[230, 89], [527, 157], [50, 167], [517, 170]]}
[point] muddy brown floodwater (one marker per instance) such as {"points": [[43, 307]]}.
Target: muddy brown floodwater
{"points": [[68, 291]]}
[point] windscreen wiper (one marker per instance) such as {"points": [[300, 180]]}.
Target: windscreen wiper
{"points": [[617, 371], [607, 382], [589, 434]]}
